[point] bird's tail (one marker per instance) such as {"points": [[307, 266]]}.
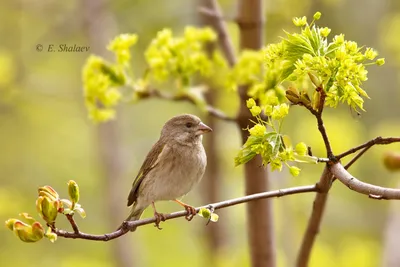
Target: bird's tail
{"points": [[135, 214]]}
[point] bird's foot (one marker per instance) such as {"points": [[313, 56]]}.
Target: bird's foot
{"points": [[159, 217], [191, 211]]}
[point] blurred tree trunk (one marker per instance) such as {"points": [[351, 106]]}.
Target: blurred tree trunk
{"points": [[99, 24], [259, 213], [391, 256], [215, 232], [216, 236]]}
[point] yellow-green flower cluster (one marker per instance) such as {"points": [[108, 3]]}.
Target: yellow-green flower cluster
{"points": [[121, 47], [180, 57], [266, 140], [264, 80], [101, 81], [339, 65], [274, 53], [249, 67]]}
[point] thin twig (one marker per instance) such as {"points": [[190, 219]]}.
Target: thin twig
{"points": [[326, 160], [211, 110], [73, 223], [218, 205], [373, 191], [321, 100], [376, 141], [324, 135], [353, 160]]}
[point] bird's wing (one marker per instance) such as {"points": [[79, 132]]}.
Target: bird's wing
{"points": [[150, 162]]}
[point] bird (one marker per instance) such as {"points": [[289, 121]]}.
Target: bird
{"points": [[173, 166]]}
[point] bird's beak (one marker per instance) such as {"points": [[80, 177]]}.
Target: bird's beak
{"points": [[202, 128]]}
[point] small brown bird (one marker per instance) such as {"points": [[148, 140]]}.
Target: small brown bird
{"points": [[174, 165]]}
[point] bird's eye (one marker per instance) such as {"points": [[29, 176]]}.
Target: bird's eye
{"points": [[189, 125]]}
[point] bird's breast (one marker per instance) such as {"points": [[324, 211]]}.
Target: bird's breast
{"points": [[183, 168]]}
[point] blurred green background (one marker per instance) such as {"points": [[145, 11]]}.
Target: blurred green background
{"points": [[46, 139]]}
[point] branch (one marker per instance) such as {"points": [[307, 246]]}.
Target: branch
{"points": [[73, 223], [353, 160], [210, 109], [322, 130], [318, 115], [314, 222], [211, 13], [373, 191], [212, 8], [326, 160], [377, 141], [219, 205]]}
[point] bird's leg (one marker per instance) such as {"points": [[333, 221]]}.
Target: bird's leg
{"points": [[159, 216], [190, 210]]}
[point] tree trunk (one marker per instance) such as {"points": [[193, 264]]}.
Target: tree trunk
{"points": [[97, 22], [216, 236], [259, 213]]}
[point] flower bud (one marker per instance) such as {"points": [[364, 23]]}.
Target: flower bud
{"points": [[317, 15], [314, 79], [214, 217], [10, 223], [301, 149], [73, 192], [47, 208], [300, 22], [26, 232], [250, 102], [27, 218], [325, 32], [294, 171], [380, 61], [48, 191], [205, 213], [255, 111], [292, 96], [305, 99]]}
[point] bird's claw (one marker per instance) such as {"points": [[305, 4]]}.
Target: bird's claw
{"points": [[191, 212], [159, 217]]}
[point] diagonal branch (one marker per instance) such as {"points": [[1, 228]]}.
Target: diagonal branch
{"points": [[314, 222], [321, 197], [356, 157], [324, 135], [212, 7], [218, 205], [376, 141], [373, 191], [73, 223]]}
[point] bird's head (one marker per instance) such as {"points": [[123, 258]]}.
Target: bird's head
{"points": [[185, 129]]}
